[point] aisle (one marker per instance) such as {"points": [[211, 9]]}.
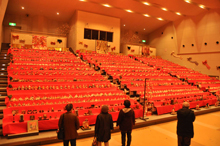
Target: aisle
{"points": [[206, 128]]}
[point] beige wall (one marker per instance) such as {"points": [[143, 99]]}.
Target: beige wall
{"points": [[191, 30], [3, 6], [35, 23], [82, 20]]}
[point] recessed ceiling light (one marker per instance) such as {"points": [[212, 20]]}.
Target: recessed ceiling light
{"points": [[58, 13], [146, 15], [202, 6], [178, 13], [22, 8], [82, 0], [187, 1], [144, 28], [129, 11], [146, 3], [124, 25], [160, 19], [164, 9], [106, 5]]}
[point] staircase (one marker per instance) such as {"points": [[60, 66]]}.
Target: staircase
{"points": [[4, 60]]}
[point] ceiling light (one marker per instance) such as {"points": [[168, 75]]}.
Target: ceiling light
{"points": [[129, 11], [160, 19], [146, 3], [82, 0], [187, 1], [58, 13], [146, 15], [22, 8], [144, 28], [178, 13], [202, 6], [106, 5], [124, 25], [164, 9]]}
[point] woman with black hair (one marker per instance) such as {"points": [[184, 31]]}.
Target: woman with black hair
{"points": [[70, 124], [126, 120], [103, 126]]}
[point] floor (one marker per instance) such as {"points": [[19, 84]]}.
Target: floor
{"points": [[206, 129]]}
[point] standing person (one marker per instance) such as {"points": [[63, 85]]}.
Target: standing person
{"points": [[126, 120], [71, 125], [103, 126], [185, 132]]}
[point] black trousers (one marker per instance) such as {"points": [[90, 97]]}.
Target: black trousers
{"points": [[123, 138], [72, 141], [184, 141]]}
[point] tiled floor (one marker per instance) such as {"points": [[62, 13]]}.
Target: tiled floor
{"points": [[206, 129]]}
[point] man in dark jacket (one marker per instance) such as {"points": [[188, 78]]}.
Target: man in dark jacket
{"points": [[185, 117], [126, 120]]}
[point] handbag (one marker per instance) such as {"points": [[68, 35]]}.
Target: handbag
{"points": [[95, 142], [60, 132]]}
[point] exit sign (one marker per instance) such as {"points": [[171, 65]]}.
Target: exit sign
{"points": [[12, 24], [143, 41]]}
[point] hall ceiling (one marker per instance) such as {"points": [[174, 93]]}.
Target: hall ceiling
{"points": [[134, 21]]}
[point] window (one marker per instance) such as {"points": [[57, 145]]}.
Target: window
{"points": [[95, 34], [110, 36], [87, 33], [98, 35], [102, 35]]}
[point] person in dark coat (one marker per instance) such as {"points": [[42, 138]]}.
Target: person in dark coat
{"points": [[185, 132], [103, 126], [71, 125], [126, 120]]}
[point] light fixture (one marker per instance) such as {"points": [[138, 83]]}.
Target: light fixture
{"points": [[82, 0], [187, 1], [146, 15], [58, 13], [146, 3], [160, 19], [124, 25], [164, 9], [178, 13], [106, 5], [129, 11], [202, 6], [22, 8], [144, 28]]}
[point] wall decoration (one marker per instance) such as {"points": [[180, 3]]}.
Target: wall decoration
{"points": [[81, 43], [15, 37], [113, 49], [59, 41], [39, 42], [206, 64], [190, 60], [132, 50], [146, 51], [86, 46], [218, 67], [176, 56], [22, 41], [101, 46], [52, 43]]}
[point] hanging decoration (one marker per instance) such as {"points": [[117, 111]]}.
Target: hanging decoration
{"points": [[218, 67], [129, 48], [176, 56], [39, 42], [132, 50], [59, 41], [86, 46], [15, 37], [81, 43], [190, 60], [146, 51], [22, 41], [101, 46], [206, 64], [113, 49], [52, 43]]}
